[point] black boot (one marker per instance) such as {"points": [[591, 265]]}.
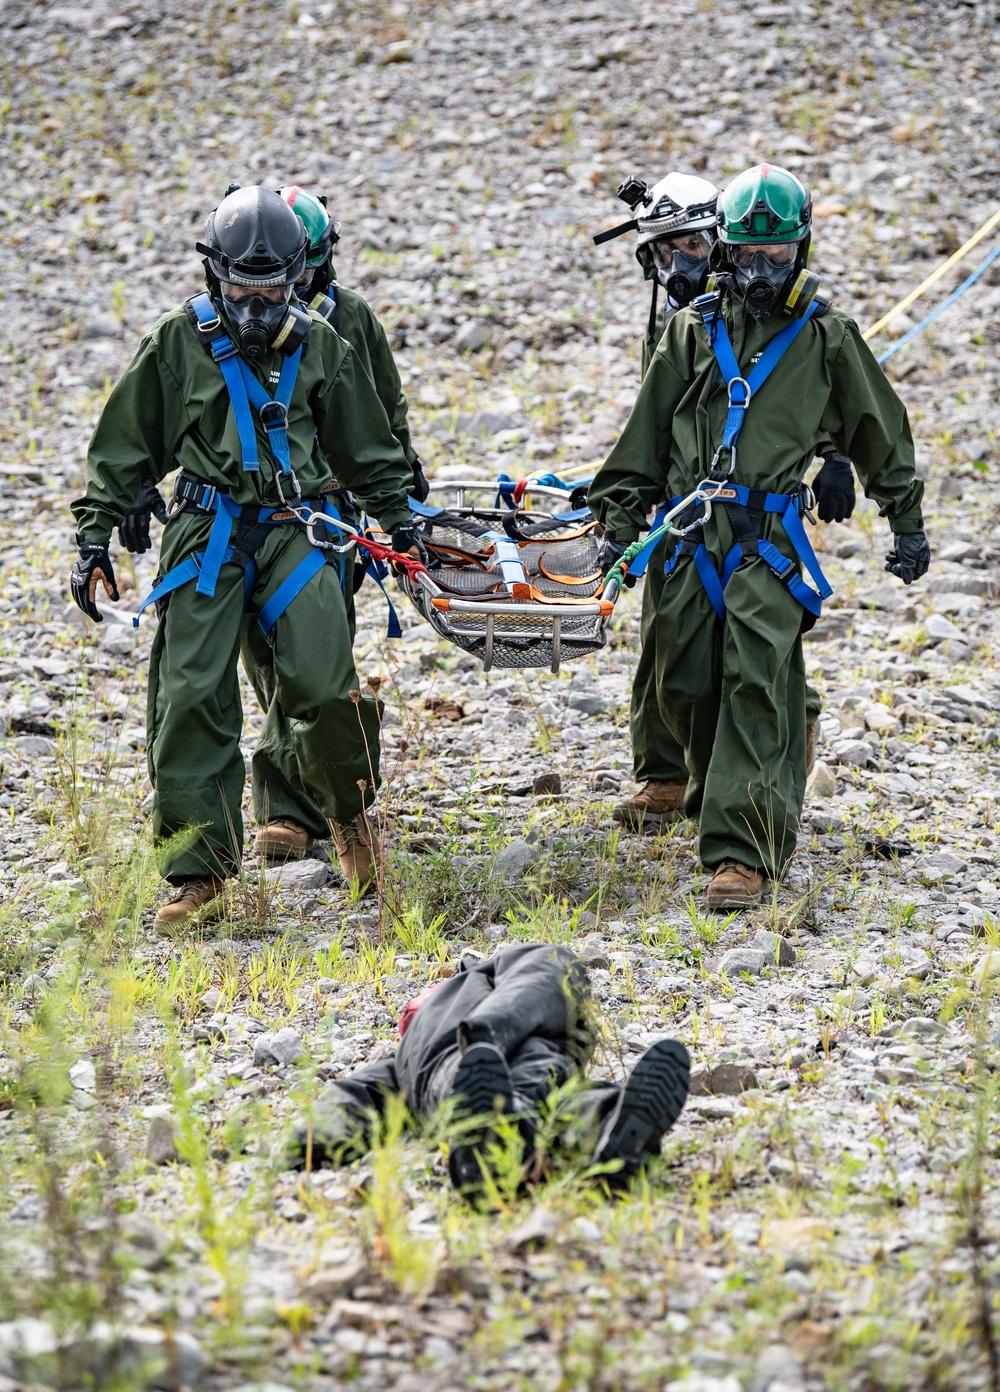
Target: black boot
{"points": [[651, 1101], [481, 1087]]}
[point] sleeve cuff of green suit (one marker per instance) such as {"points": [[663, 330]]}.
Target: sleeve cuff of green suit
{"points": [[906, 526], [393, 520], [625, 532]]}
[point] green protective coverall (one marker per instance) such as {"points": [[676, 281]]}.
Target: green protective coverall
{"points": [[171, 408], [734, 694], [656, 755], [278, 790]]}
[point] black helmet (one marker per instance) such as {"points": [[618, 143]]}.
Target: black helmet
{"points": [[256, 252], [253, 238]]}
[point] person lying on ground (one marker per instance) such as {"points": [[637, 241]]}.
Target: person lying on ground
{"points": [[500, 1037]]}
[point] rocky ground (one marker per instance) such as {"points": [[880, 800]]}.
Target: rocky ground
{"points": [[825, 1213]]}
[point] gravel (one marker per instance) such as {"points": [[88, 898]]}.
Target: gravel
{"points": [[470, 157]]}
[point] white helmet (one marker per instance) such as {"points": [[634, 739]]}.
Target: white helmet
{"points": [[678, 203]]}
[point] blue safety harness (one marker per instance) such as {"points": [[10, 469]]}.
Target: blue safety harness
{"points": [[246, 394], [746, 507]]}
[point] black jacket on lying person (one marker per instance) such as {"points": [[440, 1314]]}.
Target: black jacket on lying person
{"points": [[532, 1002]]}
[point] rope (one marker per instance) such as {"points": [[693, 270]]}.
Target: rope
{"points": [[935, 276], [955, 294]]}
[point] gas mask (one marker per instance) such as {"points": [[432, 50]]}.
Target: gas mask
{"points": [[761, 284], [685, 279], [263, 323], [682, 269], [766, 278]]}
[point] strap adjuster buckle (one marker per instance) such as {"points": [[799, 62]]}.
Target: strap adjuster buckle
{"points": [[273, 415], [207, 326]]}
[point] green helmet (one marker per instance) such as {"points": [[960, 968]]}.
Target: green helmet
{"points": [[321, 229], [764, 204]]}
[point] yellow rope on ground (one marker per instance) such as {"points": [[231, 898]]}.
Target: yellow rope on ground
{"points": [[935, 276]]}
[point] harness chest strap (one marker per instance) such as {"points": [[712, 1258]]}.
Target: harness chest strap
{"points": [[742, 389], [746, 507], [245, 390]]}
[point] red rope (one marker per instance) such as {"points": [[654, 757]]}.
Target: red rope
{"points": [[381, 552]]}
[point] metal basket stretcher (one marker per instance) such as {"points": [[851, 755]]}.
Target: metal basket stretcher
{"points": [[513, 584]]}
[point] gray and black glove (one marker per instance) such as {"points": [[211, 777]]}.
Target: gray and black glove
{"points": [[92, 565], [421, 488], [910, 557], [408, 543], [609, 552], [133, 531], [834, 488]]}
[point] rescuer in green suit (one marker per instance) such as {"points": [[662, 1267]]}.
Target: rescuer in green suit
{"points": [[729, 668], [223, 389], [676, 230]]}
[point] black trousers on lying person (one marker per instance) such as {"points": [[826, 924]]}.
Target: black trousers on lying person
{"points": [[531, 1002]]}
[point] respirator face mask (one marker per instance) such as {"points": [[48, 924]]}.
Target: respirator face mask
{"points": [[263, 318], [682, 265], [762, 273]]}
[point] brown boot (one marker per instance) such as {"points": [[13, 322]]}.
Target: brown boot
{"points": [[190, 897], [280, 839], [653, 804], [357, 850], [735, 886], [810, 748]]}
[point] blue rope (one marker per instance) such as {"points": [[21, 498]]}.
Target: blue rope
{"points": [[929, 319]]}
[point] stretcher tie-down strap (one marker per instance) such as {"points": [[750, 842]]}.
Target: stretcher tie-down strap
{"points": [[742, 503], [512, 491], [742, 389], [246, 391]]}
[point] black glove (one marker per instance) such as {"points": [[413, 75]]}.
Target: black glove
{"points": [[610, 551], [133, 532], [910, 557], [421, 488], [834, 488], [92, 565], [578, 497], [406, 541]]}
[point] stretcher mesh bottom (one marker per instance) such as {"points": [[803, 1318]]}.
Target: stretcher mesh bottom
{"points": [[499, 638]]}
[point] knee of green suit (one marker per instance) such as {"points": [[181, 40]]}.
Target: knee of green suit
{"points": [[258, 660], [657, 755], [814, 704], [334, 727], [753, 792], [195, 718]]}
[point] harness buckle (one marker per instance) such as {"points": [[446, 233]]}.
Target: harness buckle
{"points": [[208, 326], [740, 382], [200, 495], [273, 415]]}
